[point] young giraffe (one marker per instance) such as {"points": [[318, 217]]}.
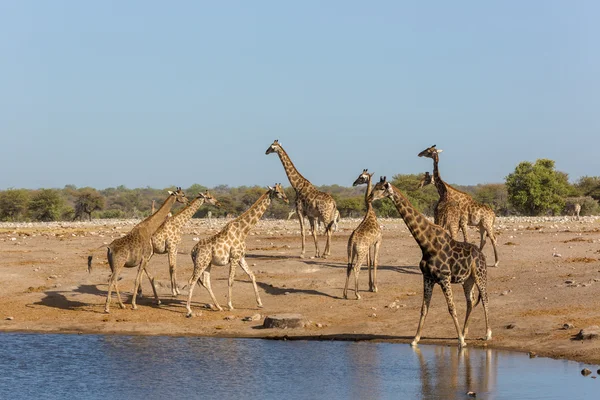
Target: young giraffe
{"points": [[457, 209], [135, 249], [168, 236], [229, 247], [365, 236], [310, 202], [444, 261]]}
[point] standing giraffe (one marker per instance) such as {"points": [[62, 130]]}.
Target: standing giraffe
{"points": [[168, 236], [573, 209], [135, 250], [457, 209], [365, 236], [229, 247], [310, 202], [444, 261]]}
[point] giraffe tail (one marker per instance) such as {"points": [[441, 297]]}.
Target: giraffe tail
{"points": [[91, 257]]}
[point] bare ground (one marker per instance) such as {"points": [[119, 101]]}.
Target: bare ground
{"points": [[549, 275]]}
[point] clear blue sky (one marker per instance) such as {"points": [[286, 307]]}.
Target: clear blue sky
{"points": [[154, 93]]}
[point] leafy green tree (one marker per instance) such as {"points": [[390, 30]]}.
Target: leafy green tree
{"points": [[589, 186], [537, 189], [423, 199], [495, 195], [351, 207], [47, 205], [87, 200], [14, 204]]}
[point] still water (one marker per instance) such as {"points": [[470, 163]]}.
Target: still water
{"points": [[43, 366]]}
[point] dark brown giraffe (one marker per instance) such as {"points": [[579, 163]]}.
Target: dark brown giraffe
{"points": [[135, 249], [310, 202], [455, 209], [444, 261]]}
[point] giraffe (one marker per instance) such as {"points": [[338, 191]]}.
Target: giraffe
{"points": [[310, 202], [573, 209], [426, 180], [365, 236], [457, 209], [444, 261], [168, 236], [229, 247], [135, 250]]}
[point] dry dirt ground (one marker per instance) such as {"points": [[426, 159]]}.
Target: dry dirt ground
{"points": [[549, 275]]}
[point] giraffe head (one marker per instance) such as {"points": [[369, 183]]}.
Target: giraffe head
{"points": [[431, 152], [275, 147], [382, 189], [427, 179], [179, 196], [209, 199], [278, 192], [363, 178]]}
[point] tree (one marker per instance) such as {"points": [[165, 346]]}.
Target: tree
{"points": [[423, 199], [494, 195], [47, 205], [13, 204], [87, 200], [589, 186], [537, 189]]}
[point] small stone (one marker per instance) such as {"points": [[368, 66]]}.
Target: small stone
{"points": [[556, 255], [569, 282], [471, 394], [254, 317], [319, 325], [10, 318], [511, 326], [52, 277], [196, 239], [229, 318], [567, 326], [585, 372], [286, 293], [254, 264], [532, 354], [504, 293], [284, 321], [373, 315]]}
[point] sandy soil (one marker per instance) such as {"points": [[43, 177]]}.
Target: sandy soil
{"points": [[549, 275]]}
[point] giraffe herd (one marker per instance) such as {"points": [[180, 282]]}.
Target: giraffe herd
{"points": [[445, 260]]}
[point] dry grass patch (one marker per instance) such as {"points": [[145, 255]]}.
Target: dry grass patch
{"points": [[38, 289], [576, 239], [510, 244]]}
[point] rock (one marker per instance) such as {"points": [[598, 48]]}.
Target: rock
{"points": [[254, 317], [568, 326], [284, 321], [532, 354], [511, 326], [229, 318], [585, 372], [589, 333], [52, 277], [319, 325], [10, 318], [569, 282], [556, 255], [471, 394]]}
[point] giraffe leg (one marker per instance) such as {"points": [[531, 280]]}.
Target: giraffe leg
{"points": [[302, 233], [360, 259], [199, 266], [246, 269], [447, 290], [115, 266], [463, 228], [480, 281], [313, 223], [370, 268], [468, 289], [375, 262], [427, 292], [173, 270], [151, 279], [138, 281], [328, 232], [232, 266], [205, 281], [494, 243]]}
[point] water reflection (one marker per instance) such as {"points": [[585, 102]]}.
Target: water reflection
{"points": [[150, 367]]}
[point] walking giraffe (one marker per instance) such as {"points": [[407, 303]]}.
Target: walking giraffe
{"points": [[135, 250], [310, 202], [444, 261], [168, 236], [455, 209], [229, 247], [366, 236]]}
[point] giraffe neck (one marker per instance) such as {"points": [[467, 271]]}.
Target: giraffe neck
{"points": [[441, 186], [250, 218], [367, 193], [298, 182], [153, 222], [422, 230], [188, 212]]}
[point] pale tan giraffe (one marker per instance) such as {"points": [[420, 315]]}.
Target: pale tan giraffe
{"points": [[366, 236], [573, 209], [229, 247], [310, 202], [135, 249], [455, 209], [168, 236], [444, 261]]}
